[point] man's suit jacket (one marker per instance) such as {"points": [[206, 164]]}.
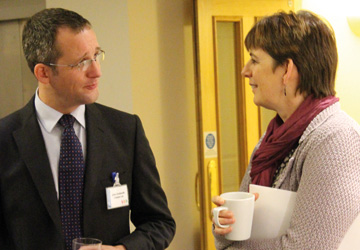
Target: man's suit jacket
{"points": [[116, 142]]}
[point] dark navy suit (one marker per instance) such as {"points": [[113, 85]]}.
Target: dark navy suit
{"points": [[116, 142]]}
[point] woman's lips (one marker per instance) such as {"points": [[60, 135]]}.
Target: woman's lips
{"points": [[253, 86]]}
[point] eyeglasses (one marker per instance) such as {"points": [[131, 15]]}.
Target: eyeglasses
{"points": [[85, 64]]}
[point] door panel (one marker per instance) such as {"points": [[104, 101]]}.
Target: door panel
{"points": [[10, 69], [227, 96], [229, 123], [230, 100], [17, 83]]}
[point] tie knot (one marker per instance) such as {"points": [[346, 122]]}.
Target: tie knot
{"points": [[67, 121]]}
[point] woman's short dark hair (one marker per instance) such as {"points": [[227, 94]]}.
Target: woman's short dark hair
{"points": [[307, 40], [39, 34]]}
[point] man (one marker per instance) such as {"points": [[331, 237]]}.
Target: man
{"points": [[53, 190]]}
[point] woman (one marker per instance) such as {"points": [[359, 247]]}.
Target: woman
{"points": [[311, 146]]}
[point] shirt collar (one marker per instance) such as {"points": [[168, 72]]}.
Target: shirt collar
{"points": [[49, 117]]}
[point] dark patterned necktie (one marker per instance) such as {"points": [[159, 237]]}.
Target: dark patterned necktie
{"points": [[71, 179]]}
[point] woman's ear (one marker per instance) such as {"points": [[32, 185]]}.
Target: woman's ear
{"points": [[42, 73], [290, 69]]}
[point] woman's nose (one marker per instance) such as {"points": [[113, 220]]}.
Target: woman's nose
{"points": [[245, 71]]}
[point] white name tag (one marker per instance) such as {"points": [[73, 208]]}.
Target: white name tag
{"points": [[117, 196]]}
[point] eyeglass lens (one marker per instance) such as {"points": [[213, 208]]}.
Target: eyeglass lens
{"points": [[84, 65]]}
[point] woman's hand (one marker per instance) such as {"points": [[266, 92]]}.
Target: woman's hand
{"points": [[226, 217]]}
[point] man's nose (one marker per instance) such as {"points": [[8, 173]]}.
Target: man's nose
{"points": [[94, 69]]}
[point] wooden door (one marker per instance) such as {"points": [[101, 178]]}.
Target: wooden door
{"points": [[229, 124]]}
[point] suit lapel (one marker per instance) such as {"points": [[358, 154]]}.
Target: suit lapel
{"points": [[32, 149], [94, 155]]}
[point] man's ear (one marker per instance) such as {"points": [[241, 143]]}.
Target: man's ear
{"points": [[42, 73]]}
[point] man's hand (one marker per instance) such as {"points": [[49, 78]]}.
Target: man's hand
{"points": [[120, 247]]}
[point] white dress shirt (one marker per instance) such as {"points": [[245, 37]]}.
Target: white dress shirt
{"points": [[51, 130]]}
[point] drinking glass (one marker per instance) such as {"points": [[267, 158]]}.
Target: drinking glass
{"points": [[86, 244]]}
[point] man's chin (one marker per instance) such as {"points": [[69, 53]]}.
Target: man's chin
{"points": [[90, 99]]}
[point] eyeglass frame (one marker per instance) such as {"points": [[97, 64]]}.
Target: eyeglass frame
{"points": [[84, 62]]}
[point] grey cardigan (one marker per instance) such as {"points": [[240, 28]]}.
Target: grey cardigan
{"points": [[325, 172]]}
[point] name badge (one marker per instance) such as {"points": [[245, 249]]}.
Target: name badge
{"points": [[117, 195]]}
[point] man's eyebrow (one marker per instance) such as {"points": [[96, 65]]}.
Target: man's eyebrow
{"points": [[97, 49]]}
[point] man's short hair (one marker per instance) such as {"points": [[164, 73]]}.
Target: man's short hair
{"points": [[39, 34]]}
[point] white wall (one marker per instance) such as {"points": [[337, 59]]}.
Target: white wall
{"points": [[162, 71], [347, 81]]}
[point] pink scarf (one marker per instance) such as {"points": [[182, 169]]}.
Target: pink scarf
{"points": [[282, 137]]}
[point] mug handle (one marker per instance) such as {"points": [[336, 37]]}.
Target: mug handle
{"points": [[216, 212]]}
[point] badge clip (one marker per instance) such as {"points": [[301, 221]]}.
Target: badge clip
{"points": [[116, 179]]}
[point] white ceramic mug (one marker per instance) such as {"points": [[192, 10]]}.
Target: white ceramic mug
{"points": [[242, 206]]}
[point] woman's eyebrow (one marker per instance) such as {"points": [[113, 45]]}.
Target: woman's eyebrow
{"points": [[253, 55]]}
